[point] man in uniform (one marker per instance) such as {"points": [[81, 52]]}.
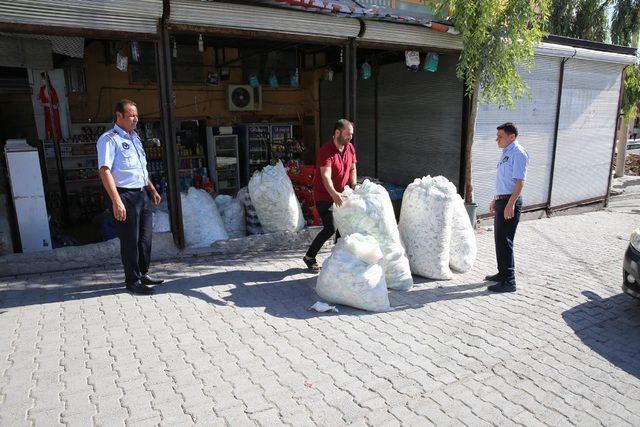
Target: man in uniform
{"points": [[123, 170], [506, 205], [335, 168]]}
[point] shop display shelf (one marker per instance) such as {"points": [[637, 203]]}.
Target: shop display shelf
{"points": [[50, 144], [80, 155]]}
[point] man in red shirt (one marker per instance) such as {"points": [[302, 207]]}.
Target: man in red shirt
{"points": [[336, 167]]}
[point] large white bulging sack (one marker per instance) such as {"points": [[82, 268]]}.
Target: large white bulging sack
{"points": [[425, 226], [251, 216], [368, 210], [463, 240], [202, 222], [353, 274], [275, 201], [232, 213]]}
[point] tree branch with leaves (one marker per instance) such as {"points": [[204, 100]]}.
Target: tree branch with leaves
{"points": [[499, 38]]}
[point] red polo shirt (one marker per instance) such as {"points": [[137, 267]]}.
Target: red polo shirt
{"points": [[340, 164]]}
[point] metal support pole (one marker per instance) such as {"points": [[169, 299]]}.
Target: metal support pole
{"points": [[163, 64], [555, 133], [346, 80]]}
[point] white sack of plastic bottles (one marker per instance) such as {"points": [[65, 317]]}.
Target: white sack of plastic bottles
{"points": [[275, 201], [201, 219], [232, 213], [368, 210], [464, 247], [425, 226], [353, 274]]}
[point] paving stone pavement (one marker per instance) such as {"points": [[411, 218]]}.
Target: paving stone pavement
{"points": [[228, 341]]}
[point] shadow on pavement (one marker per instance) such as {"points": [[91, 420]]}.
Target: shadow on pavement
{"points": [[285, 293], [610, 327], [35, 294]]}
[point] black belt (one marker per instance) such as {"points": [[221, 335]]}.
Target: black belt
{"points": [[129, 190], [503, 197]]}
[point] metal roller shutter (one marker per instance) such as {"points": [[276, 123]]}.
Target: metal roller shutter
{"points": [[585, 132], [536, 121], [128, 16], [365, 127], [419, 128], [255, 18]]}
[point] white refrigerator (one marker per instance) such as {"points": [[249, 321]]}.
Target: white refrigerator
{"points": [[25, 177]]}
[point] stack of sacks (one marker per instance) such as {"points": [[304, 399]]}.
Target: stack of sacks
{"points": [[368, 210], [251, 216], [353, 274], [275, 201], [202, 221], [435, 229], [232, 213]]}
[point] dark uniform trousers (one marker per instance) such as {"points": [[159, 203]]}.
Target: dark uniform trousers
{"points": [[135, 233], [504, 233], [324, 210]]}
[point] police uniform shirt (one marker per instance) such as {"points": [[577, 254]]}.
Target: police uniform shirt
{"points": [[513, 165], [124, 155]]}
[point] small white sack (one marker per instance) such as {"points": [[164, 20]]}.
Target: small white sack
{"points": [[353, 274], [322, 307], [368, 210], [232, 213], [202, 222], [425, 226], [161, 222], [275, 201], [463, 240]]}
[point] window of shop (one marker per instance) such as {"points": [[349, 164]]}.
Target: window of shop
{"points": [[187, 64], [264, 65], [144, 70]]}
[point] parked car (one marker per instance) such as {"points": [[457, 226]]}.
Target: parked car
{"points": [[631, 266], [632, 144]]}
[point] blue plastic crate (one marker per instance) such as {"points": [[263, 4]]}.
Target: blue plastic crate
{"points": [[395, 191]]}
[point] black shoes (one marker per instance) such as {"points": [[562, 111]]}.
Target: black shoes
{"points": [[311, 263], [503, 286], [493, 278], [139, 288], [148, 280]]}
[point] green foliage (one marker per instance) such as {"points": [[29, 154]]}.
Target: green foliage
{"points": [[561, 17], [631, 95], [625, 23], [580, 19], [499, 36], [590, 21]]}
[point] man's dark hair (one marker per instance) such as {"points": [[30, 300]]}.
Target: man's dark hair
{"points": [[122, 104], [509, 128], [341, 124]]}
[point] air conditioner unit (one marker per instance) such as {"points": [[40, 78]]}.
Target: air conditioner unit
{"points": [[244, 98]]}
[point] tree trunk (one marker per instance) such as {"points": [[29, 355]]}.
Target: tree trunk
{"points": [[622, 146], [471, 126]]}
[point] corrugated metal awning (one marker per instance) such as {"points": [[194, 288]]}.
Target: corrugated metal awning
{"points": [[251, 18], [112, 16], [552, 49], [333, 19], [392, 33]]}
